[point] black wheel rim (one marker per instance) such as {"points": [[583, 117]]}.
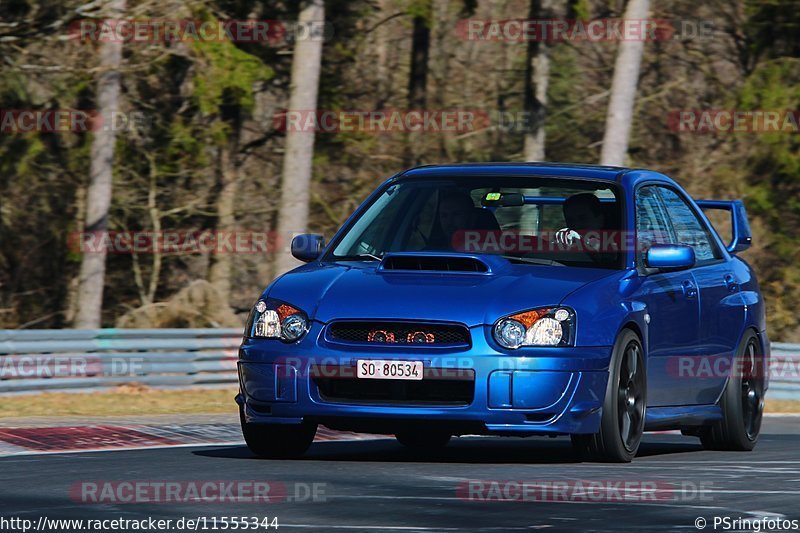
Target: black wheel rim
{"points": [[630, 397], [752, 394]]}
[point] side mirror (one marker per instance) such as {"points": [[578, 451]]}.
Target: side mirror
{"points": [[307, 247], [670, 257]]}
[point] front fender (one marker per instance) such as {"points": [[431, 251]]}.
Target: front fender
{"points": [[604, 307]]}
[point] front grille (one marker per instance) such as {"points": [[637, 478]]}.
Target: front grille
{"points": [[395, 333], [447, 392]]}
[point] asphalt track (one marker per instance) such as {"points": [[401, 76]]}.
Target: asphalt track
{"points": [[380, 486]]}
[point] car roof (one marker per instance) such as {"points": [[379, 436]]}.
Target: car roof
{"points": [[598, 172], [628, 177]]}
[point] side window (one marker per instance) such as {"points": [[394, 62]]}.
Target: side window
{"points": [[652, 226], [688, 228]]}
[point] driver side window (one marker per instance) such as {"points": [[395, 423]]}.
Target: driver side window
{"points": [[652, 226]]}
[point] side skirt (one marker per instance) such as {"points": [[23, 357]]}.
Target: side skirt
{"points": [[666, 418]]}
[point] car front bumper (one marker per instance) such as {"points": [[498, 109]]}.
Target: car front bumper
{"points": [[526, 392]]}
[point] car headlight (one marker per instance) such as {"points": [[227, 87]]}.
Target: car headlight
{"points": [[273, 319], [546, 326]]}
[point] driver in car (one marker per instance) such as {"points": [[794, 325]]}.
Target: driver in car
{"points": [[456, 213], [584, 216]]}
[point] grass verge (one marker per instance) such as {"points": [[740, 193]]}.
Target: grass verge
{"points": [[123, 400], [782, 406]]}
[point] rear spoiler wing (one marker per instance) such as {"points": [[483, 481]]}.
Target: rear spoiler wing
{"points": [[742, 237]]}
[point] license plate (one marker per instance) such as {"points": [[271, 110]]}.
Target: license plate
{"points": [[377, 369]]}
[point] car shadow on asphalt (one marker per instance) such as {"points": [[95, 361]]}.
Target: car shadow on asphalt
{"points": [[461, 450]]}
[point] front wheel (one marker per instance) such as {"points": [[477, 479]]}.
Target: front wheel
{"points": [[277, 441], [622, 421], [742, 403]]}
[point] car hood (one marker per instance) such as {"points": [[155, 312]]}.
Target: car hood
{"points": [[331, 291]]}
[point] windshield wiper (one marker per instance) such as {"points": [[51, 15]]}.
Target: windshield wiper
{"points": [[360, 257], [532, 261]]}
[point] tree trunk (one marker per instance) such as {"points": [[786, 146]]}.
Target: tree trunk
{"points": [[623, 91], [98, 200], [296, 178], [220, 273], [537, 78], [418, 76]]}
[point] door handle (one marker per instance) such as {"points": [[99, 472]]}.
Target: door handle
{"points": [[689, 289], [730, 282]]}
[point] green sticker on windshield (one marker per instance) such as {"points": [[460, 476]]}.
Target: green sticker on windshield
{"points": [[492, 196]]}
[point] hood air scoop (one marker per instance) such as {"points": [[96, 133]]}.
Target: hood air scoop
{"points": [[435, 262]]}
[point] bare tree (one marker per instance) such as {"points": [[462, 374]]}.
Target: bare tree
{"points": [[623, 90], [221, 271], [420, 47], [296, 178], [98, 200], [537, 78], [421, 11]]}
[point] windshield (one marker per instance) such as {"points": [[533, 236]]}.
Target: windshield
{"points": [[532, 220]]}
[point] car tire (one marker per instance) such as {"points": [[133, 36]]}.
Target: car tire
{"points": [[742, 402], [277, 441], [624, 406], [423, 440]]}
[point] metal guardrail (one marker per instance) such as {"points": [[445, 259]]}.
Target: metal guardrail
{"points": [[58, 360], [64, 359], [784, 372]]}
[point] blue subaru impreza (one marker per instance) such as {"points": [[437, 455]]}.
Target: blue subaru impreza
{"points": [[513, 299]]}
